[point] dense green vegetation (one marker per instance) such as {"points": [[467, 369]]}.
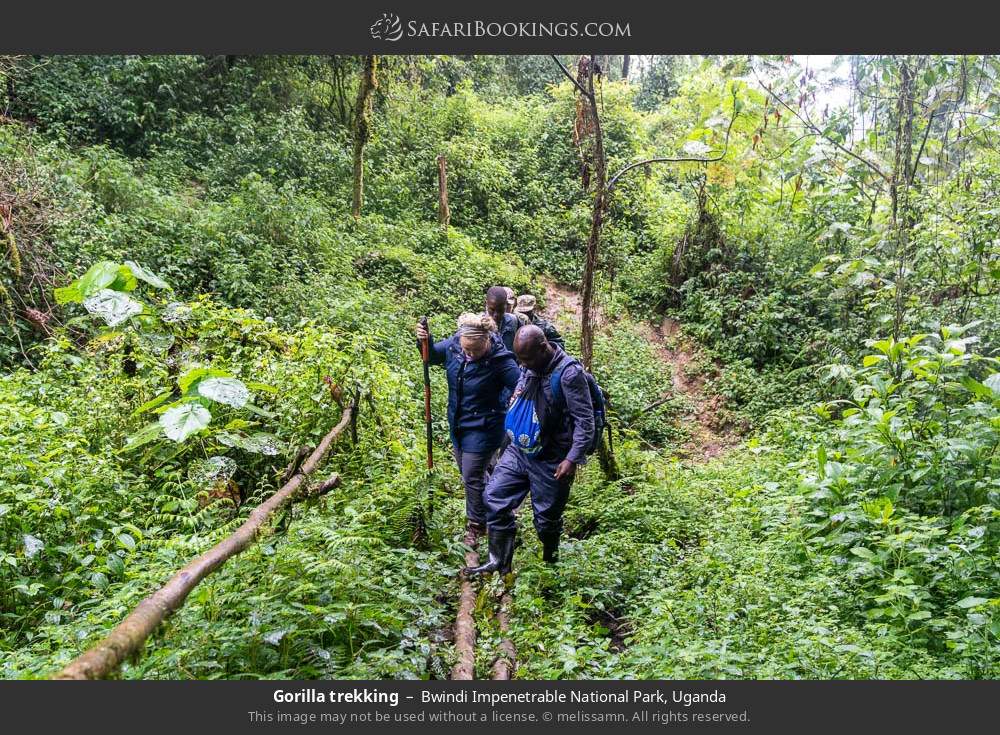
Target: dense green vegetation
{"points": [[180, 271]]}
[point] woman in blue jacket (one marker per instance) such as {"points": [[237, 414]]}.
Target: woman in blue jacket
{"points": [[479, 370]]}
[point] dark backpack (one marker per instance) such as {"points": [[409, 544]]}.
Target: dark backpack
{"points": [[598, 399]]}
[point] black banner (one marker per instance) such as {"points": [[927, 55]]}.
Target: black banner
{"points": [[447, 26], [388, 706]]}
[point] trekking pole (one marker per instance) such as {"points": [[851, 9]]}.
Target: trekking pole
{"points": [[425, 351], [607, 405]]}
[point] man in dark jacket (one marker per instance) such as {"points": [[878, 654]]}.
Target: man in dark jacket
{"points": [[566, 432], [507, 323], [526, 307]]}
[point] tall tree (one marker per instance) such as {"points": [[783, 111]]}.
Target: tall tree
{"points": [[589, 136], [362, 123], [590, 139], [899, 186], [444, 213]]}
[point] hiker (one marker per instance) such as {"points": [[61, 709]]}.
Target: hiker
{"points": [[496, 308], [549, 438], [512, 305], [526, 304], [479, 370]]}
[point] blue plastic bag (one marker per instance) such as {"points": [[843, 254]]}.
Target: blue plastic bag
{"points": [[523, 427]]}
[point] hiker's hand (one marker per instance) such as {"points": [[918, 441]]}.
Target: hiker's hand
{"points": [[422, 331], [565, 470]]}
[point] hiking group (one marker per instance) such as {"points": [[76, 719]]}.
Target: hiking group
{"points": [[522, 414]]}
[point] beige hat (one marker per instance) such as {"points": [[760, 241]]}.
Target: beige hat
{"points": [[525, 303]]}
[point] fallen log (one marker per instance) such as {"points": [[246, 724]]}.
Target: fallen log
{"points": [[326, 486], [465, 626], [130, 634], [503, 667]]}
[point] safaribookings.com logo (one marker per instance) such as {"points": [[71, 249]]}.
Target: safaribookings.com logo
{"points": [[390, 28], [387, 28]]}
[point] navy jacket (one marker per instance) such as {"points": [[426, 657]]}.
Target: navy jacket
{"points": [[475, 391], [572, 428], [508, 329]]}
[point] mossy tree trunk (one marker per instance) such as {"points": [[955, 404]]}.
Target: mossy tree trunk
{"points": [[444, 213], [362, 129], [589, 137], [899, 188]]}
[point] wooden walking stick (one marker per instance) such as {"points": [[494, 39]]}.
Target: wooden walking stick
{"points": [[425, 351]]}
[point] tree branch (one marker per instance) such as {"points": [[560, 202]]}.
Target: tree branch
{"points": [[688, 159], [583, 90], [920, 152], [807, 121], [129, 635]]}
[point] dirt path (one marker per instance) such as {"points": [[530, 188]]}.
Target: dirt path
{"points": [[709, 438]]}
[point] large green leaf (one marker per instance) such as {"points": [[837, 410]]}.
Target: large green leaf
{"points": [[114, 307], [144, 275], [192, 377], [99, 276], [124, 281], [993, 383], [182, 421], [229, 391], [150, 432]]}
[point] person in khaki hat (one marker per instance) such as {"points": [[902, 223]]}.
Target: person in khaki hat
{"points": [[512, 303], [526, 307]]}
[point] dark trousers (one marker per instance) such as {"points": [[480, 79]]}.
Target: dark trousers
{"points": [[516, 475], [473, 465]]}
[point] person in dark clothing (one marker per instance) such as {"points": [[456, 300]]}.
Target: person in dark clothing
{"points": [[526, 307], [479, 370], [546, 469], [512, 305], [496, 309]]}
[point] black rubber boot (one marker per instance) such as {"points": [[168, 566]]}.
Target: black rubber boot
{"points": [[550, 546], [501, 555]]}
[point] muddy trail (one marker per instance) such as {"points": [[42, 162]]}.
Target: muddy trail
{"points": [[709, 436]]}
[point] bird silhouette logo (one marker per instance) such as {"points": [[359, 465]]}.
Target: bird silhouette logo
{"points": [[387, 28]]}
